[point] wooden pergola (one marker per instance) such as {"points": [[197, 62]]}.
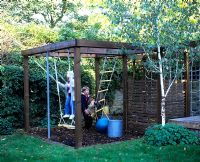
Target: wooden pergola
{"points": [[78, 49]]}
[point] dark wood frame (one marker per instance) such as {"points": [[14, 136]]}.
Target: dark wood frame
{"points": [[78, 49], [91, 49], [187, 84]]}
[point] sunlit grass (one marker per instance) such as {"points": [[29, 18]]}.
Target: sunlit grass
{"points": [[20, 147]]}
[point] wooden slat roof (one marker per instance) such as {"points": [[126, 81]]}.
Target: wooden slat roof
{"points": [[88, 48]]}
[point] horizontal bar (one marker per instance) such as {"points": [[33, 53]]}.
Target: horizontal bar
{"points": [[103, 90], [105, 80], [103, 72], [102, 100]]}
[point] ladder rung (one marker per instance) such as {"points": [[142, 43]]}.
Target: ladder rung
{"points": [[105, 80], [99, 110], [103, 72], [102, 90], [110, 58], [102, 100]]}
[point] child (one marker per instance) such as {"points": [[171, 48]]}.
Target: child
{"points": [[85, 103], [69, 109]]}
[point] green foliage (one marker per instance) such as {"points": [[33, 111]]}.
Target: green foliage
{"points": [[32, 35], [170, 134], [13, 58], [93, 26], [46, 12], [150, 24], [11, 92], [11, 96], [81, 30], [87, 79], [5, 127], [137, 20], [11, 103], [14, 38]]}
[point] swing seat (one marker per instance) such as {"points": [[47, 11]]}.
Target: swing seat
{"points": [[68, 126]]}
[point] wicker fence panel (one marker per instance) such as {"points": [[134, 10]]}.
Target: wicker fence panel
{"points": [[143, 104]]}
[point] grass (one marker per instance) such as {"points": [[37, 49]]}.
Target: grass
{"points": [[20, 147]]}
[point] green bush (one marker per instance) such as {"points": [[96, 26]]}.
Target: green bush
{"points": [[11, 95], [169, 134], [5, 127], [87, 79]]}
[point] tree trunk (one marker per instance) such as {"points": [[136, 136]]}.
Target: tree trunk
{"points": [[163, 110], [162, 88]]}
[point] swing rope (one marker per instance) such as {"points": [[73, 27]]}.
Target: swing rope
{"points": [[68, 59], [58, 91], [61, 121], [59, 75], [44, 70]]}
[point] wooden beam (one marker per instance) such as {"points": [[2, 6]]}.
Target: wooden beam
{"points": [[125, 91], [94, 52], [105, 44], [105, 51], [26, 93], [187, 84], [97, 76], [83, 43], [87, 47], [109, 51], [49, 47], [77, 80]]}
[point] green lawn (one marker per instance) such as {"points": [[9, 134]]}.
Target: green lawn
{"points": [[20, 147]]}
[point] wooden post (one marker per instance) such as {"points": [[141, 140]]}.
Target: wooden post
{"points": [[97, 76], [133, 68], [26, 93], [125, 93], [187, 85], [77, 80]]}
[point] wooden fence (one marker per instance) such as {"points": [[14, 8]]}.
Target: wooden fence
{"points": [[143, 104]]}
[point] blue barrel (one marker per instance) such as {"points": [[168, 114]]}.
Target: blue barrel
{"points": [[115, 128]]}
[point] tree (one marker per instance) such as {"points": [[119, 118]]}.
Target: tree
{"points": [[155, 24], [14, 38], [90, 24], [49, 12]]}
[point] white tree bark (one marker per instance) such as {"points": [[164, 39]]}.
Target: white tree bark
{"points": [[162, 87]]}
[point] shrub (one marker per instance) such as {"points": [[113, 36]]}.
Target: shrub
{"points": [[87, 79], [170, 134], [11, 93], [11, 102], [5, 127]]}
